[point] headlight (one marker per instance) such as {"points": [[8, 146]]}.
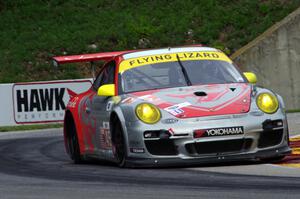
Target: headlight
{"points": [[148, 113], [267, 102]]}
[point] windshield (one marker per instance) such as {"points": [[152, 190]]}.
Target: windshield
{"points": [[179, 73]]}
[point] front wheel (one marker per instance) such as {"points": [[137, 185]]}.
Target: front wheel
{"points": [[119, 145]]}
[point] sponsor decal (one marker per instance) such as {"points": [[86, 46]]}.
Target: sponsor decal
{"points": [[72, 103], [105, 138], [176, 109], [45, 101], [171, 131], [169, 121], [145, 97], [137, 150], [40, 99], [128, 100], [238, 130], [149, 98], [161, 58]]}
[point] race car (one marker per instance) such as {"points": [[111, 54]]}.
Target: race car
{"points": [[173, 106]]}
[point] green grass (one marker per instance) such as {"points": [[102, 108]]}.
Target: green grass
{"points": [[32, 31], [29, 127]]}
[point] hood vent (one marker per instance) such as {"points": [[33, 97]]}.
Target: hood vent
{"points": [[200, 93]]}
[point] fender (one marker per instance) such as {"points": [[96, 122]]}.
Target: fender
{"points": [[78, 126], [280, 99], [73, 107]]}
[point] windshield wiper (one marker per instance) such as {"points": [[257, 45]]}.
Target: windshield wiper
{"points": [[188, 81]]}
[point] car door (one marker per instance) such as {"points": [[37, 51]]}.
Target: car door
{"points": [[99, 109]]}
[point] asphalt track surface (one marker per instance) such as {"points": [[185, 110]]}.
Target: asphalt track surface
{"points": [[34, 165]]}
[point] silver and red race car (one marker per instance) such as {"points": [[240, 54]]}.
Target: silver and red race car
{"points": [[173, 106]]}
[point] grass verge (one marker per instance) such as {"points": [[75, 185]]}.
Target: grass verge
{"points": [[29, 127], [33, 31]]}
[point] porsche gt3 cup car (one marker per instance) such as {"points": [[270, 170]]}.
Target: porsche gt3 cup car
{"points": [[173, 106]]}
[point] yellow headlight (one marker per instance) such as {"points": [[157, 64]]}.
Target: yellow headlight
{"points": [[148, 113], [267, 102]]}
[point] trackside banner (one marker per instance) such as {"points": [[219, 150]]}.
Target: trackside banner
{"points": [[37, 102]]}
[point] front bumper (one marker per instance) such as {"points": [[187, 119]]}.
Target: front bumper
{"points": [[261, 139]]}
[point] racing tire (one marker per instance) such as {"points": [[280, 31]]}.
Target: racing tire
{"points": [[73, 145], [119, 145]]}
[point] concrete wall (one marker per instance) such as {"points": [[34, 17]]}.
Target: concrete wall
{"points": [[275, 58]]}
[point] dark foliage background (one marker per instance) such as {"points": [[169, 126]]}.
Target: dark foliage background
{"points": [[32, 31]]}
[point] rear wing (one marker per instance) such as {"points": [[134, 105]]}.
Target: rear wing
{"points": [[106, 56]]}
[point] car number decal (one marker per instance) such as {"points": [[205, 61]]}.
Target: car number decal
{"points": [[109, 105]]}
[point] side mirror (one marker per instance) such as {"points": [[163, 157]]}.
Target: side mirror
{"points": [[107, 90], [251, 77]]}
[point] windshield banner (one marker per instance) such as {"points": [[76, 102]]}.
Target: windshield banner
{"points": [[185, 56]]}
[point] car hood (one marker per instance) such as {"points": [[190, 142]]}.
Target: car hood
{"points": [[200, 100]]}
